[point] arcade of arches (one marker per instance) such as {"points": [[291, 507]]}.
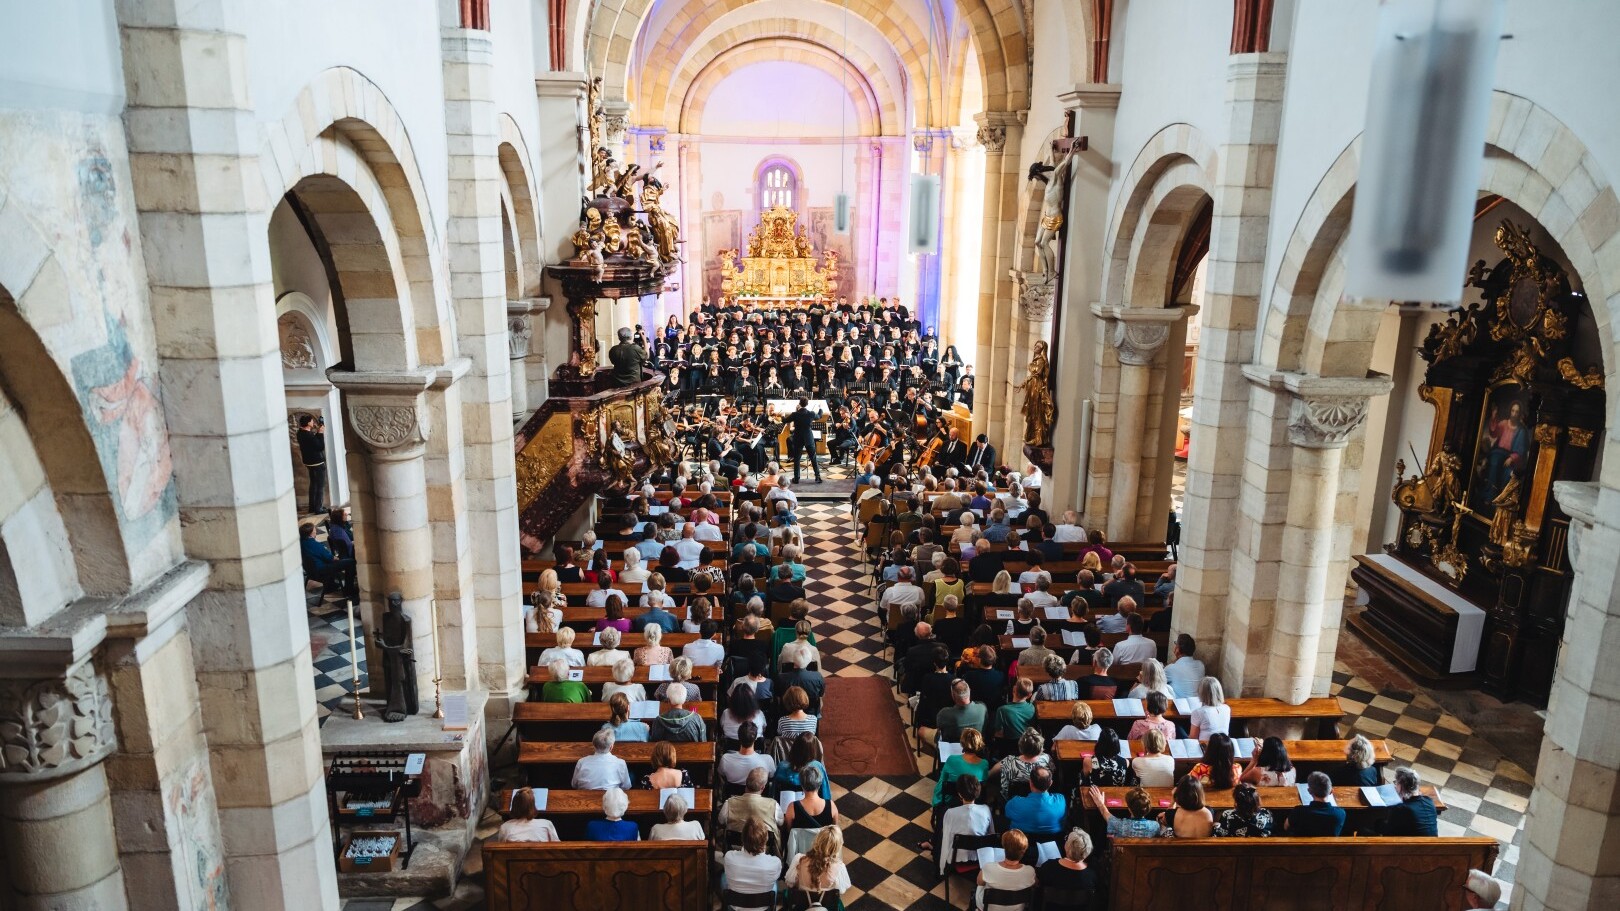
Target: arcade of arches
{"points": [[292, 322]]}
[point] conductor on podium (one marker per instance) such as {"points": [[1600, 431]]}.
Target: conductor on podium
{"points": [[802, 439]]}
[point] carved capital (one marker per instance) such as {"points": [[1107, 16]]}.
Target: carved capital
{"points": [[54, 726], [1037, 294], [1324, 421], [518, 331], [389, 429], [992, 137], [1138, 343]]}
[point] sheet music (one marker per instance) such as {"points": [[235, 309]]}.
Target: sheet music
{"points": [[1243, 746], [1020, 642], [1186, 749], [989, 857], [658, 673], [1045, 851], [1305, 795], [947, 750], [1129, 708], [1004, 615], [687, 794], [542, 797], [1056, 612], [1075, 638], [786, 798], [647, 709], [1187, 704], [576, 674]]}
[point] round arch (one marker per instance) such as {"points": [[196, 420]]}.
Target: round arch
{"points": [[1171, 177], [695, 99], [518, 199]]}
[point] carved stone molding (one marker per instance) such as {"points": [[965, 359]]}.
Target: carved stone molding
{"points": [[1139, 343], [992, 137], [388, 428], [56, 726], [1326, 421], [297, 346], [518, 331], [1037, 294], [963, 139]]}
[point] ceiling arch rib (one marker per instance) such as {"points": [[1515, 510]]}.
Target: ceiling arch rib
{"points": [[861, 93], [659, 85]]}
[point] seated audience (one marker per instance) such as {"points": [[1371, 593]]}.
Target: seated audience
{"points": [[1105, 767], [1097, 684], [624, 670], [1037, 653], [1246, 819], [971, 761], [1358, 770], [1135, 647], [1015, 716], [811, 682], [601, 769], [564, 649], [1192, 818], [1138, 804], [1319, 818], [1156, 706], [680, 671], [1219, 770], [1149, 679], [560, 689], [610, 653], [741, 708], [1484, 891], [705, 650], [1080, 726], [522, 825], [665, 771], [752, 804], [654, 652], [796, 718], [1213, 716], [1154, 768], [735, 765], [811, 810], [1270, 767], [1415, 814], [751, 869], [676, 827], [678, 723], [967, 818], [821, 869], [801, 755], [961, 714], [620, 724], [1057, 688], [1184, 671], [1041, 810], [1016, 769], [1010, 874], [1069, 873]]}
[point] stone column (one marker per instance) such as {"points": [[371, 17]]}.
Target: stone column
{"points": [[537, 367], [1568, 861], [519, 329], [960, 145], [1001, 133], [932, 147], [1238, 237], [1137, 335], [1084, 238], [490, 633], [389, 417], [194, 161], [1322, 414], [56, 816], [863, 282], [689, 211]]}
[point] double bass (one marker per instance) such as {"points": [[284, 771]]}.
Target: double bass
{"points": [[875, 447]]}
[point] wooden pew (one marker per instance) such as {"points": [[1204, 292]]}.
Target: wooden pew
{"points": [[553, 763], [1278, 800], [644, 805], [1263, 874], [1307, 755], [1008, 653], [539, 642], [1324, 712], [597, 876], [570, 720], [706, 677]]}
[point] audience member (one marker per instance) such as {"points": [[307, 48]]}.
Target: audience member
{"points": [[1319, 817]]}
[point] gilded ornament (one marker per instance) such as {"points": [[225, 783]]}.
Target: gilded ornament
{"points": [[1591, 379], [1580, 437], [1040, 412], [543, 457]]}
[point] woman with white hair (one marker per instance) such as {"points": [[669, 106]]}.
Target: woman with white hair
{"points": [[623, 672], [800, 653], [615, 803], [1069, 872], [635, 570], [656, 595], [1358, 770], [654, 652], [789, 557], [610, 653], [676, 827], [563, 650], [1151, 679], [965, 533], [680, 671], [1214, 716]]}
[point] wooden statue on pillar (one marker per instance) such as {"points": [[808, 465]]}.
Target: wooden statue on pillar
{"points": [[1518, 404]]}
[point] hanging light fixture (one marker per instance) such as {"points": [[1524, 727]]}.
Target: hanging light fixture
{"points": [[924, 234], [841, 202]]}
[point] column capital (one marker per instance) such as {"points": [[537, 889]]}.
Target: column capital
{"points": [[994, 126], [1139, 332], [387, 410], [57, 720], [1084, 95], [1323, 411]]}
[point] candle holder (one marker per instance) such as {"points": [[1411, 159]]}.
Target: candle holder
{"points": [[438, 700], [354, 662]]}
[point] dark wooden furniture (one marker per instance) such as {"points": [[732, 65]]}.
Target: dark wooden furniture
{"points": [[597, 876], [1323, 712], [553, 763], [1278, 800], [1295, 874], [567, 720]]}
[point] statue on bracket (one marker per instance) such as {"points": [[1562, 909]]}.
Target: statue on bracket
{"points": [[399, 660], [1039, 411]]}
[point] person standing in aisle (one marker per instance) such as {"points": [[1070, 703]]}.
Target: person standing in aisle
{"points": [[312, 452]]}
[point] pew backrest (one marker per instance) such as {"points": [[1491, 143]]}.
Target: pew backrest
{"points": [[597, 876]]}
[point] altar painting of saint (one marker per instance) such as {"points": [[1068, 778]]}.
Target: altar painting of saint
{"points": [[1504, 446]]}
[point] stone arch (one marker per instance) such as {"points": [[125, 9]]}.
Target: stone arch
{"points": [[695, 99], [862, 72], [72, 470], [1542, 167], [518, 195], [1171, 174], [342, 125]]}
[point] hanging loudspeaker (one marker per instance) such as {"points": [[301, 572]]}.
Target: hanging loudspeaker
{"points": [[1427, 110], [924, 214], [841, 213]]}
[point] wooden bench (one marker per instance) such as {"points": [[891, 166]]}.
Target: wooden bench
{"points": [[570, 720], [705, 677], [568, 811], [553, 763], [1267, 874], [539, 642], [1324, 713], [597, 876], [1306, 755], [1008, 653], [1278, 800]]}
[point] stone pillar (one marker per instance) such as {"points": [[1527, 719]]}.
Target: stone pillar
{"points": [[537, 367], [194, 161], [933, 148], [889, 196], [1084, 237], [961, 144], [689, 177], [1001, 133], [56, 816], [1322, 414], [491, 633], [868, 155], [1569, 860], [389, 417], [519, 329], [1137, 335], [1238, 237]]}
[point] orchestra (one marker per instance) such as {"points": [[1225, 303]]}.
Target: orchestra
{"points": [[885, 391]]}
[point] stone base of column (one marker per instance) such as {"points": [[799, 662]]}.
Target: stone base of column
{"points": [[455, 783]]}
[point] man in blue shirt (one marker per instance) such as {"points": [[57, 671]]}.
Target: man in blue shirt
{"points": [[1184, 672], [1415, 815], [998, 530], [320, 565], [649, 546], [1040, 810], [663, 618], [1318, 818]]}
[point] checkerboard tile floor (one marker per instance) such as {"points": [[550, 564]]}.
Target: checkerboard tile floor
{"points": [[329, 646]]}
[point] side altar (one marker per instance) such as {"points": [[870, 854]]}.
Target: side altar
{"points": [[1477, 580], [780, 267]]}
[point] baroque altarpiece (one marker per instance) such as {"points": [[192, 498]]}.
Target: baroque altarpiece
{"points": [[1515, 409]]}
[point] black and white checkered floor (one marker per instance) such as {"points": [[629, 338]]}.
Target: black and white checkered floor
{"points": [[887, 817], [329, 646]]}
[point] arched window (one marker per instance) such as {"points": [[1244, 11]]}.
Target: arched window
{"points": [[778, 186]]}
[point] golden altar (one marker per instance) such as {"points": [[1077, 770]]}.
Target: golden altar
{"points": [[780, 267]]}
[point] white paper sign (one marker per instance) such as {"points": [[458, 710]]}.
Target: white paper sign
{"points": [[647, 709], [1004, 615], [414, 763], [455, 711], [686, 794], [597, 639], [1129, 708], [577, 673], [542, 796]]}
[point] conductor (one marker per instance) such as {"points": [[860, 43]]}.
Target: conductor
{"points": [[801, 439]]}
